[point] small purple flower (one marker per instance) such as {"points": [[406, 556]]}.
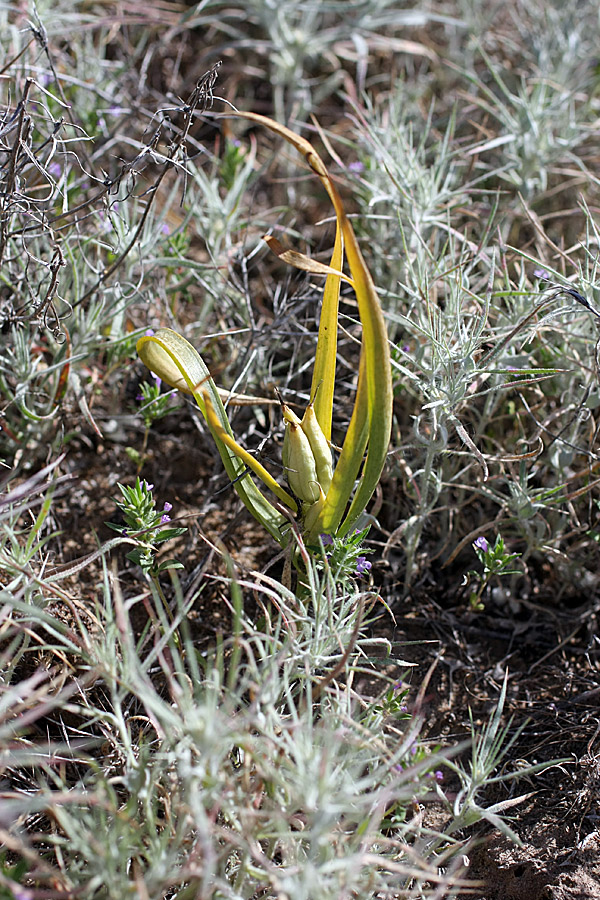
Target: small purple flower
{"points": [[406, 348], [164, 519], [398, 685], [356, 166], [438, 775], [326, 539], [148, 332], [168, 506], [363, 565], [399, 768], [55, 169], [157, 380], [20, 893], [149, 487], [541, 273], [165, 229], [481, 544], [139, 397]]}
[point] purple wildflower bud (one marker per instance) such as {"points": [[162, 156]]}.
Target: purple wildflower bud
{"points": [[406, 348], [398, 685], [149, 487], [326, 539], [164, 519], [356, 166], [168, 506], [438, 775], [363, 565], [413, 750], [404, 709], [157, 380], [139, 397], [148, 332], [20, 893], [481, 544], [165, 229], [399, 768], [541, 273], [55, 169]]}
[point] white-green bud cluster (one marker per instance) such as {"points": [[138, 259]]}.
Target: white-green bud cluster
{"points": [[307, 459]]}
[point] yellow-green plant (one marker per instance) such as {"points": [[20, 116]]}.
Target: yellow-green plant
{"points": [[328, 500]]}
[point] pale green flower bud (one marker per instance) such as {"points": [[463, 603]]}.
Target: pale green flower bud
{"points": [[319, 446], [300, 465]]}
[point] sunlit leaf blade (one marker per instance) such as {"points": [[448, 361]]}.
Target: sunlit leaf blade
{"points": [[378, 376], [301, 144], [349, 462], [323, 381], [179, 364]]}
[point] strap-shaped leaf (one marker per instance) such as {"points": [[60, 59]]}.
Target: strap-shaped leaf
{"points": [[348, 466], [179, 364], [323, 380], [378, 374]]}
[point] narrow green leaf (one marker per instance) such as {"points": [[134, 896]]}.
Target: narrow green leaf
{"points": [[323, 380], [348, 465], [168, 533], [170, 564], [378, 375]]}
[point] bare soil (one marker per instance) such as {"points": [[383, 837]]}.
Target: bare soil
{"points": [[553, 695]]}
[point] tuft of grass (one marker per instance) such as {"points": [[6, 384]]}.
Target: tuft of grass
{"points": [[258, 767]]}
